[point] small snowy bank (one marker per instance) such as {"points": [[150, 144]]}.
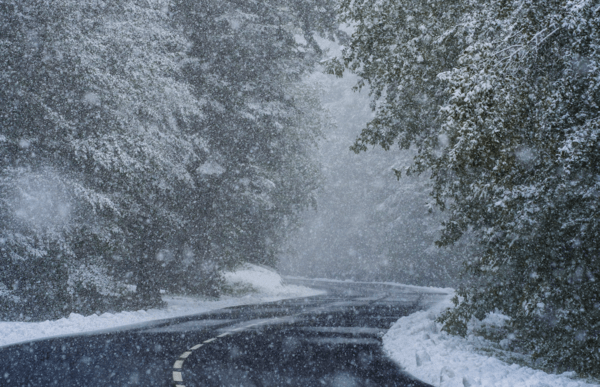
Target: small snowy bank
{"points": [[267, 284], [435, 357]]}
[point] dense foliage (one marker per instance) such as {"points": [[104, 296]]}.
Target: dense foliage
{"points": [[260, 122], [149, 143], [500, 100]]}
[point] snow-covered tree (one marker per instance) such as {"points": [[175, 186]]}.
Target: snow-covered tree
{"points": [[93, 126], [153, 142], [247, 61], [500, 101], [523, 125], [398, 48]]}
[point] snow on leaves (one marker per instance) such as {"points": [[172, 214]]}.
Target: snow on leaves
{"points": [[145, 122], [513, 87]]}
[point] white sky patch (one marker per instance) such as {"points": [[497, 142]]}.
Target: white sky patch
{"points": [[234, 23], [526, 155], [24, 143], [443, 140]]}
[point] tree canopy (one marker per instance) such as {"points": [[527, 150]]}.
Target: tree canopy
{"points": [[149, 143], [500, 101]]}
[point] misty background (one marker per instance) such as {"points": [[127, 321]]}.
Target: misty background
{"points": [[367, 225]]}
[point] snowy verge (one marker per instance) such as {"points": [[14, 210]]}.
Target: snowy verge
{"points": [[268, 286], [417, 344], [265, 281]]}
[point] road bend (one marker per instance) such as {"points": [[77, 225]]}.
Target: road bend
{"points": [[333, 339]]}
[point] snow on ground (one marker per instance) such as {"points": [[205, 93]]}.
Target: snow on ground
{"points": [[265, 281], [417, 344], [415, 341], [267, 284]]}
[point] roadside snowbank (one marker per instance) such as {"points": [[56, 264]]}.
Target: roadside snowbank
{"points": [[435, 357], [267, 283]]}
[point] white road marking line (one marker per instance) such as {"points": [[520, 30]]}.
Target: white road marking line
{"points": [[186, 354], [178, 364], [177, 376]]}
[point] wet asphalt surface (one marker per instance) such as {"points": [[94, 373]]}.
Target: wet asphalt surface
{"points": [[328, 340]]}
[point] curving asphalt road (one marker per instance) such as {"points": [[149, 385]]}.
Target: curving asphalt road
{"points": [[328, 340]]}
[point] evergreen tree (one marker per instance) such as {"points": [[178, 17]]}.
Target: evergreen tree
{"points": [[154, 143], [92, 129], [508, 128], [247, 62], [523, 128]]}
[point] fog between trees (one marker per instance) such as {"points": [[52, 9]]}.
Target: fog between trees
{"points": [[368, 225]]}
